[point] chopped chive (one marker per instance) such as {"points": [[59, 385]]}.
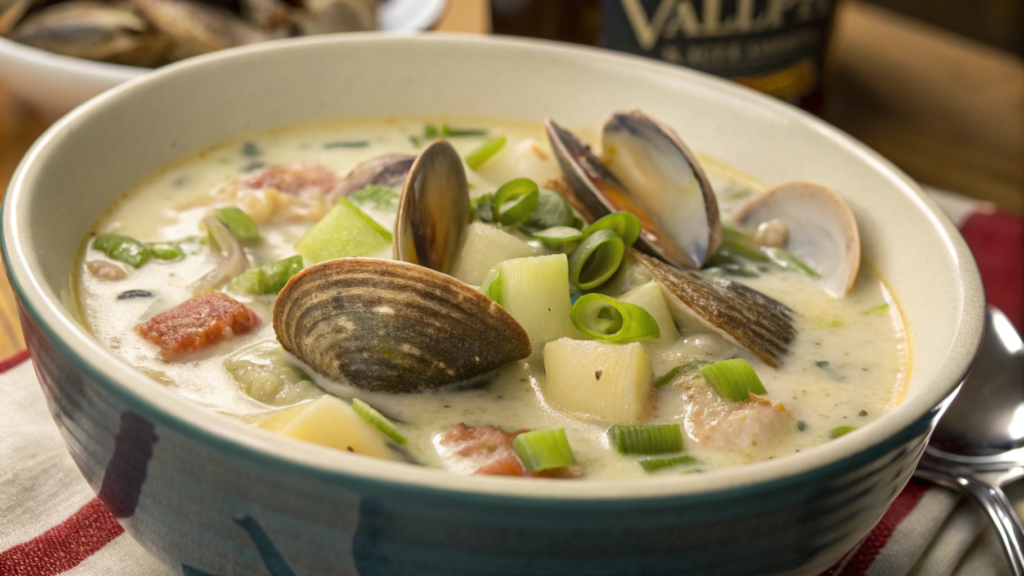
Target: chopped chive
{"points": [[347, 144], [605, 318], [877, 309], [122, 248], [863, 413], [430, 131], [381, 197], [165, 250], [647, 439], [130, 294], [733, 379], [253, 166], [827, 368], [251, 150], [625, 225], [448, 131], [841, 431], [801, 425], [415, 141], [239, 223], [544, 449], [477, 157], [823, 364], [677, 371], [268, 278], [596, 259], [787, 261], [491, 286], [515, 201], [378, 420], [655, 464]]}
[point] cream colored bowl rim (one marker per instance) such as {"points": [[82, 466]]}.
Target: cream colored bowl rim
{"points": [[172, 410]]}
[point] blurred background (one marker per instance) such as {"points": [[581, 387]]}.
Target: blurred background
{"points": [[936, 86]]}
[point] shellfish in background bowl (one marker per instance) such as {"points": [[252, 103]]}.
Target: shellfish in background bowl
{"points": [[203, 490], [64, 53]]}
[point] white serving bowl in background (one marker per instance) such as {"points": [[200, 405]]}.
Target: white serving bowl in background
{"points": [[208, 492], [54, 84]]}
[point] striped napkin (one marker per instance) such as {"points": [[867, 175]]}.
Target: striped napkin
{"points": [[52, 523]]}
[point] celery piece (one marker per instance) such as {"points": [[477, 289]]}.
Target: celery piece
{"points": [[263, 372], [267, 278], [609, 383], [239, 223], [535, 291], [344, 232], [647, 439], [655, 464], [165, 250], [122, 249], [544, 449]]}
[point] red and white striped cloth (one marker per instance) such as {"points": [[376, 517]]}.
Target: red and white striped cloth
{"points": [[52, 523]]}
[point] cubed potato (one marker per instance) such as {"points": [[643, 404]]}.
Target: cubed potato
{"points": [[329, 421], [608, 383], [535, 291], [649, 298], [484, 246]]}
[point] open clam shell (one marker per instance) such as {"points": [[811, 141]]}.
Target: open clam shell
{"points": [[822, 231], [434, 209], [391, 326], [647, 170], [741, 315], [388, 170]]}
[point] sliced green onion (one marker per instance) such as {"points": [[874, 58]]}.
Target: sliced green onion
{"points": [[674, 373], [552, 211], [267, 278], [841, 430], [450, 132], [165, 250], [347, 144], [733, 379], [430, 131], [491, 286], [381, 197], [655, 464], [379, 421], [786, 260], [605, 318], [251, 150], [596, 259], [625, 225], [239, 223], [578, 223], [647, 438], [484, 208], [482, 154], [877, 309], [544, 449], [558, 235], [515, 201], [122, 248], [741, 244]]}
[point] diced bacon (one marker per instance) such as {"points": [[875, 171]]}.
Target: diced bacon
{"points": [[488, 450], [197, 323], [105, 270], [302, 179]]}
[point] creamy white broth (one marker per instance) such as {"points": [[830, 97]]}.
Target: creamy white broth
{"points": [[864, 347]]}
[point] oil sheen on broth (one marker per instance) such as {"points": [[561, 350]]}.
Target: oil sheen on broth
{"points": [[845, 367]]}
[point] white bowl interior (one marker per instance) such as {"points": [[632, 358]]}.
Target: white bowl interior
{"points": [[104, 148]]}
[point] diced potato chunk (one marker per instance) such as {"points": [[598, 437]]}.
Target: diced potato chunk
{"points": [[535, 291], [609, 383], [329, 422], [484, 246], [649, 298], [344, 232]]}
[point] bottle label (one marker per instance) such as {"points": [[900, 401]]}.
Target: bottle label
{"points": [[775, 46]]}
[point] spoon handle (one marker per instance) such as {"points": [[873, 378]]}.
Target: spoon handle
{"points": [[995, 503]]}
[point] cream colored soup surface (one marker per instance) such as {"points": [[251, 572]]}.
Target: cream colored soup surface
{"points": [[846, 366]]}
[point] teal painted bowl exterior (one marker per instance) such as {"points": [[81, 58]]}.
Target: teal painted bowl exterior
{"points": [[210, 496]]}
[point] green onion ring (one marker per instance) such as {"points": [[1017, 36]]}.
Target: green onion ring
{"points": [[605, 318], [596, 259]]}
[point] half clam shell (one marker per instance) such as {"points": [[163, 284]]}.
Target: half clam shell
{"points": [[390, 326], [822, 231], [741, 315], [434, 209], [647, 170]]}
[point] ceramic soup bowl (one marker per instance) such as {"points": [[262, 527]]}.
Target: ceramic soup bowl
{"points": [[202, 491]]}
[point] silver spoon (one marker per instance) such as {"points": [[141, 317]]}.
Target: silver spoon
{"points": [[978, 445]]}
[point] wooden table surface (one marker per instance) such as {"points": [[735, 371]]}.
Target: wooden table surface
{"points": [[947, 110]]}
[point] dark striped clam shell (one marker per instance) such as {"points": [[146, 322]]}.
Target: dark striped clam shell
{"points": [[742, 315], [389, 326]]}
